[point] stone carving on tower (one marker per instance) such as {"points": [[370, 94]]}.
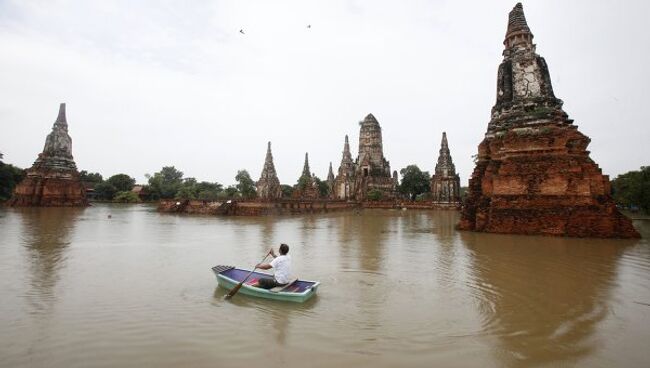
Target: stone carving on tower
{"points": [[53, 179], [533, 172], [445, 183], [372, 169], [306, 187], [268, 187], [344, 182]]}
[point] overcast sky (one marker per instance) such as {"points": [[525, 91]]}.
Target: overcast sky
{"points": [[157, 83]]}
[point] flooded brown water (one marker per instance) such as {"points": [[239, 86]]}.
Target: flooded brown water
{"points": [[399, 288]]}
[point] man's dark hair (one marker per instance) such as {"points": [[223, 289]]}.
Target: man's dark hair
{"points": [[284, 249]]}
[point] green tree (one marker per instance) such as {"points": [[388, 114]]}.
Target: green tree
{"points": [[375, 195], [230, 192], [186, 192], [246, 185], [126, 197], [632, 189], [414, 181], [165, 183], [323, 188], [121, 182], [105, 191], [90, 179], [207, 191], [10, 176], [287, 190]]}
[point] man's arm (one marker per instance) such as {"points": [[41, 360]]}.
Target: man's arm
{"points": [[264, 266]]}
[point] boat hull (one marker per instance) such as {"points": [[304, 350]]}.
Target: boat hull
{"points": [[299, 291]]}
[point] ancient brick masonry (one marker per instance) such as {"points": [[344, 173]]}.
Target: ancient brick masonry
{"points": [[306, 188], [445, 183], [344, 181], [53, 180], [268, 187], [533, 174]]}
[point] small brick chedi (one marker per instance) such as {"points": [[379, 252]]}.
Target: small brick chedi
{"points": [[370, 171], [533, 172], [445, 183], [53, 180], [268, 187], [306, 187]]}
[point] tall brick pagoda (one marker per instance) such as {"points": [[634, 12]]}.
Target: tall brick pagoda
{"points": [[53, 179], [533, 173], [306, 187], [445, 183], [372, 168], [344, 181], [268, 187]]}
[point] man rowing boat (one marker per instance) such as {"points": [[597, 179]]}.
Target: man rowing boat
{"points": [[282, 269]]}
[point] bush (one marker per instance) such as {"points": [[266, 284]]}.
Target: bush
{"points": [[126, 197], [375, 195]]}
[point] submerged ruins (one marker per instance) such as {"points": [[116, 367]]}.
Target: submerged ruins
{"points": [[533, 172], [445, 183], [53, 179]]}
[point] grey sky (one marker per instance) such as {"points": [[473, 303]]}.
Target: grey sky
{"points": [[156, 83]]}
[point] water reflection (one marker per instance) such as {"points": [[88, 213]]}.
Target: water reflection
{"points": [[46, 238], [543, 297]]}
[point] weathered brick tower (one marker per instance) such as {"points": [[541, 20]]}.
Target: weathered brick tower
{"points": [[53, 180], [344, 181], [268, 187], [445, 183], [533, 173], [372, 169]]}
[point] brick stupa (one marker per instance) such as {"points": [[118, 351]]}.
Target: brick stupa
{"points": [[53, 180], [445, 183], [533, 173], [268, 187], [306, 187]]}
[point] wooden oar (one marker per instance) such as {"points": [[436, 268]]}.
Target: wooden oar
{"points": [[236, 288]]}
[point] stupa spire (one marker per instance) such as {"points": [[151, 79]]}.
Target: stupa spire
{"points": [[518, 31], [268, 187], [306, 172]]}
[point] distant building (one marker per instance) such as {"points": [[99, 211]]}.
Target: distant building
{"points": [[306, 187]]}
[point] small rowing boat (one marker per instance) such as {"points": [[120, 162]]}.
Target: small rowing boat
{"points": [[295, 291]]}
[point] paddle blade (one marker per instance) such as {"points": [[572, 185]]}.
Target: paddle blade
{"points": [[234, 291]]}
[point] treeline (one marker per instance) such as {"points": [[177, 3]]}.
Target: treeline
{"points": [[632, 190], [10, 176]]}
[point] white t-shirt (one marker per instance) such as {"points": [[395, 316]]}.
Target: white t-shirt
{"points": [[282, 267]]}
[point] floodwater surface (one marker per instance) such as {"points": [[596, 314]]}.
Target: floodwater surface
{"points": [[398, 288]]}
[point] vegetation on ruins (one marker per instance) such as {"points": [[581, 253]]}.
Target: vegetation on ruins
{"points": [[414, 181], [287, 190], [323, 188], [632, 189], [375, 195], [10, 176]]}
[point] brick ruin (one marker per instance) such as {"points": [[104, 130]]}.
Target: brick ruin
{"points": [[370, 171], [533, 172], [306, 187], [445, 183], [53, 179], [268, 187]]}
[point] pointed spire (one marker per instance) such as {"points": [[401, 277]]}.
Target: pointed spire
{"points": [[305, 170], [444, 144], [61, 118], [330, 174], [370, 118], [518, 31], [269, 155], [268, 187]]}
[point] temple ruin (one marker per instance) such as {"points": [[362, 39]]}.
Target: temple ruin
{"points": [[53, 179], [306, 187], [533, 172], [268, 187], [330, 182], [370, 171], [445, 183]]}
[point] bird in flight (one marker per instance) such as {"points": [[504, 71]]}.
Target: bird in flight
{"points": [[309, 26], [241, 31]]}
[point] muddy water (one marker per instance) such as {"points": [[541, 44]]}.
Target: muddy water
{"points": [[399, 288]]}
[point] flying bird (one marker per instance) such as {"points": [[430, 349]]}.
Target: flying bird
{"points": [[308, 25], [241, 31]]}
